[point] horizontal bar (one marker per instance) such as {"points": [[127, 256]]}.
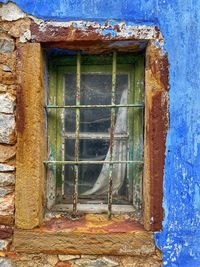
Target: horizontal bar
{"points": [[98, 106], [99, 135], [91, 162]]}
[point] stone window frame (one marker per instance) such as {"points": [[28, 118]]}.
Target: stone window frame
{"points": [[31, 125]]}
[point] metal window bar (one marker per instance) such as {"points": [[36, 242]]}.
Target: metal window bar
{"points": [[113, 107], [112, 132], [139, 105], [76, 166]]}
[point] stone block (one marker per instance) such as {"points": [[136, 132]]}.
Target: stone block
{"points": [[3, 88], [7, 179], [68, 257], [4, 245], [6, 45], [7, 103], [6, 263], [7, 129], [7, 205], [5, 190], [7, 153], [103, 262], [6, 168]]}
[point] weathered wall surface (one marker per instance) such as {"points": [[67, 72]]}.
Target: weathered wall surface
{"points": [[179, 22]]}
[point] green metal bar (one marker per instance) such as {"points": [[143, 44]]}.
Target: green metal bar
{"points": [[112, 132], [98, 106], [92, 162], [76, 167]]}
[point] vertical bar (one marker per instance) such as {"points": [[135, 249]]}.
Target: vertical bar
{"points": [[76, 167], [112, 132]]}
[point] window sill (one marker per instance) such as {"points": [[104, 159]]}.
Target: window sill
{"points": [[91, 234]]}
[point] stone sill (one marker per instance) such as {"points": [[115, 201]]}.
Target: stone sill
{"points": [[91, 235]]}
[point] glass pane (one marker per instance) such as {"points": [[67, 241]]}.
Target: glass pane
{"points": [[93, 178], [95, 120], [95, 88]]}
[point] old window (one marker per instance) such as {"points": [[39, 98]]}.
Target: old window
{"points": [[95, 130]]}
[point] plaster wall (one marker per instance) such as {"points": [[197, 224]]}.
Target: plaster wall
{"points": [[179, 22]]}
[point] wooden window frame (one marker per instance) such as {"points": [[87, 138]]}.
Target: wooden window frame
{"points": [[32, 148], [127, 63]]}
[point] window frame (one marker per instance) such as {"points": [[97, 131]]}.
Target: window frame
{"points": [[131, 63], [31, 140]]}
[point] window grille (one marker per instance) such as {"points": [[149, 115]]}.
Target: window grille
{"points": [[57, 111]]}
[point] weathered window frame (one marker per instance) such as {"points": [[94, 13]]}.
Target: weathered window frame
{"points": [[31, 135], [127, 63]]}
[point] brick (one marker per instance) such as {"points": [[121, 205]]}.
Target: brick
{"points": [[7, 129], [7, 103]]}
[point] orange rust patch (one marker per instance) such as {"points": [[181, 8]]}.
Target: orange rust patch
{"points": [[92, 224]]}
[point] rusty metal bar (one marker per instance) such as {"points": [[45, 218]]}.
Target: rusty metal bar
{"points": [[76, 167], [137, 105], [112, 132], [94, 136], [92, 162]]}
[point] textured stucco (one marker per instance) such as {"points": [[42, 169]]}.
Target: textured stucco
{"points": [[179, 22]]}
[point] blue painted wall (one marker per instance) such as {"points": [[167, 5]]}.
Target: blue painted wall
{"points": [[179, 21]]}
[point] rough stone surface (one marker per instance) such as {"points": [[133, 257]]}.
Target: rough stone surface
{"points": [[52, 259], [7, 103], [6, 263], [102, 262], [7, 205], [68, 257], [3, 88], [11, 12], [5, 191], [7, 153], [7, 179], [6, 45], [6, 168], [4, 244], [7, 129]]}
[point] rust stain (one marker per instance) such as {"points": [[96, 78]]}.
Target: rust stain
{"points": [[158, 125], [20, 117], [96, 223], [159, 67], [64, 223], [123, 227]]}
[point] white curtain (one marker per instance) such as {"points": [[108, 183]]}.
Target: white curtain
{"points": [[119, 154]]}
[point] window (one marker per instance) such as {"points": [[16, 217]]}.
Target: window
{"points": [[95, 133]]}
